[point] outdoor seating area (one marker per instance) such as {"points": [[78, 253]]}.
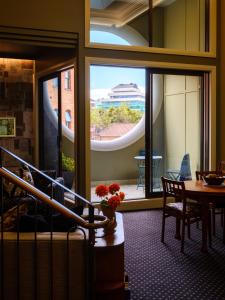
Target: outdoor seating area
{"points": [[156, 160]]}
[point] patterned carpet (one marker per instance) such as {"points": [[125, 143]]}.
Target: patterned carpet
{"points": [[159, 271]]}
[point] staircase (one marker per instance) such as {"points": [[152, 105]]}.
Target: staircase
{"points": [[46, 265]]}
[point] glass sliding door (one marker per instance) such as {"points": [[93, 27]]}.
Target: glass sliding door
{"points": [[175, 118], [57, 119], [68, 127], [49, 125]]}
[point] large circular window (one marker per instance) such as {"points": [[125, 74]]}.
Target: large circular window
{"points": [[125, 35], [118, 113], [117, 106]]}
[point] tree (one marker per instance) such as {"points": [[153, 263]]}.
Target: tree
{"points": [[102, 118]]}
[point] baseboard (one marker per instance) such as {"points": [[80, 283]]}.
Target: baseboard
{"points": [[140, 204], [119, 181]]}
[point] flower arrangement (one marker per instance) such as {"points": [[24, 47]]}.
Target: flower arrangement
{"points": [[111, 196]]}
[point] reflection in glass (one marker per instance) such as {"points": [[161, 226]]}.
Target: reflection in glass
{"points": [[179, 25], [67, 96], [50, 125], [127, 19], [175, 24], [67, 119], [58, 126], [176, 131]]}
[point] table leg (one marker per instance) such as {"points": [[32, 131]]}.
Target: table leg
{"points": [[204, 226]]}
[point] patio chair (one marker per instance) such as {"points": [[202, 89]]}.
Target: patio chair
{"points": [[185, 170], [185, 212]]}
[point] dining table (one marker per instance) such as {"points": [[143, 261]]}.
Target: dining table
{"points": [[205, 194]]}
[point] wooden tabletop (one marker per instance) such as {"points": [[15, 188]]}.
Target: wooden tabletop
{"points": [[199, 187], [112, 239]]}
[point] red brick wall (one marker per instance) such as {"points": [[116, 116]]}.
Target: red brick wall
{"points": [[67, 97]]}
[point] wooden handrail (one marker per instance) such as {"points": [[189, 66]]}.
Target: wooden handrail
{"points": [[103, 221]]}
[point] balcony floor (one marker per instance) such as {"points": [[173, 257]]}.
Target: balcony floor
{"points": [[131, 192]]}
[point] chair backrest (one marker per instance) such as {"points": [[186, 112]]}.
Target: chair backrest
{"points": [[173, 188], [185, 168], [200, 174]]}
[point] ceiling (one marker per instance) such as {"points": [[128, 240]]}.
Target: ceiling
{"points": [[22, 50], [45, 56], [119, 12]]}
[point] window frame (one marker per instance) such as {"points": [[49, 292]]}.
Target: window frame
{"points": [[211, 127], [67, 80], [204, 121], [211, 44]]}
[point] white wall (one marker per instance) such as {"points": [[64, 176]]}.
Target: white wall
{"points": [[184, 25], [182, 120]]}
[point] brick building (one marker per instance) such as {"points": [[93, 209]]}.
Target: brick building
{"points": [[67, 97]]}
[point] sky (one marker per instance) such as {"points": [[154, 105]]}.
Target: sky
{"points": [[98, 36], [103, 78]]}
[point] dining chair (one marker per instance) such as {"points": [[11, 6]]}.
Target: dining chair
{"points": [[185, 212], [216, 209]]}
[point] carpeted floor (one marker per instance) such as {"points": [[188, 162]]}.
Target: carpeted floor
{"points": [[159, 271]]}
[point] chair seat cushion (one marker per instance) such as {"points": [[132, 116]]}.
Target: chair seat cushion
{"points": [[191, 208], [176, 205]]}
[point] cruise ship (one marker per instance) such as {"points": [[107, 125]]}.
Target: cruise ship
{"points": [[128, 94]]}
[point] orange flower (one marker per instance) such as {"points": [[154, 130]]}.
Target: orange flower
{"points": [[101, 190], [114, 201], [113, 188], [122, 195]]}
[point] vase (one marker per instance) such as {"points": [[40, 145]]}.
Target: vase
{"points": [[110, 214]]}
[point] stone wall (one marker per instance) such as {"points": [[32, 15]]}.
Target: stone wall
{"points": [[16, 100]]}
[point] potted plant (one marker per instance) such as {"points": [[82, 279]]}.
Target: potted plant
{"points": [[111, 197], [68, 166]]}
